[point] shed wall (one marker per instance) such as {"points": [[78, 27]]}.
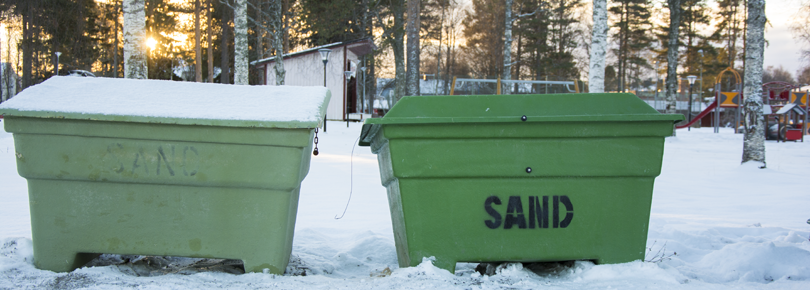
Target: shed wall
{"points": [[307, 70]]}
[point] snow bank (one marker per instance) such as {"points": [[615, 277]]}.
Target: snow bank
{"points": [[715, 224]]}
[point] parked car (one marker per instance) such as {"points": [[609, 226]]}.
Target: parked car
{"points": [[80, 73]]}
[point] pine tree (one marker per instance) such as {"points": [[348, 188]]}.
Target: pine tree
{"points": [[534, 32], [562, 39], [632, 24], [694, 17], [484, 30], [729, 30]]}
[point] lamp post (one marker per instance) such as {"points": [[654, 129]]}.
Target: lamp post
{"points": [[57, 62], [348, 75], [689, 113], [655, 105], [700, 51], [325, 58], [365, 106]]}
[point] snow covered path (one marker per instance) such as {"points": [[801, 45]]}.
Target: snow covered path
{"points": [[732, 227]]}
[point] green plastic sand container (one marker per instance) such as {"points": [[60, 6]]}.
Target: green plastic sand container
{"points": [[522, 178], [123, 166]]}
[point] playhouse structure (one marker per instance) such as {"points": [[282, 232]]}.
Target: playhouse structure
{"points": [[785, 108]]}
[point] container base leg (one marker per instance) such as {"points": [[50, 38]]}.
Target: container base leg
{"points": [[62, 262], [445, 264], [258, 266]]}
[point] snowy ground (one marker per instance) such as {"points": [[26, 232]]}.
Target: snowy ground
{"points": [[732, 227]]}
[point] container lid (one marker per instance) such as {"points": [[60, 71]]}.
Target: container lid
{"points": [[171, 102], [512, 108]]}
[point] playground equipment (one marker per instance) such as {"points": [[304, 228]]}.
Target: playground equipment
{"points": [[787, 106], [699, 116], [782, 103], [732, 99], [722, 99]]}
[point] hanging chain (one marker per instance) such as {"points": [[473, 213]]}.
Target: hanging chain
{"points": [[315, 152]]}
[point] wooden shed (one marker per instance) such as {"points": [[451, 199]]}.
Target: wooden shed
{"points": [[306, 68]]}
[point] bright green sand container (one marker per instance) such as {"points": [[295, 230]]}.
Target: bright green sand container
{"points": [[524, 178], [163, 168]]}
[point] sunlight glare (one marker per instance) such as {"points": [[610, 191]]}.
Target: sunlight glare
{"points": [[151, 42]]}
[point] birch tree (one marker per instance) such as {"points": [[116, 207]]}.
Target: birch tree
{"points": [[507, 47], [240, 75], [277, 29], [596, 72], [276, 22], [754, 140], [672, 55], [414, 24], [134, 42]]}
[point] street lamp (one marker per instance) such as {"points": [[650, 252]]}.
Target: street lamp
{"points": [[656, 85], [365, 106], [57, 62], [325, 58], [689, 113], [348, 75], [700, 51]]}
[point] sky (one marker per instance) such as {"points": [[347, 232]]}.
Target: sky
{"points": [[782, 49]]}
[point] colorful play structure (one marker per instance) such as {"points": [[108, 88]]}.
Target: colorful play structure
{"points": [[785, 108]]}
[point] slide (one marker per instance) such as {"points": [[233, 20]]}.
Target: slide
{"points": [[699, 116]]}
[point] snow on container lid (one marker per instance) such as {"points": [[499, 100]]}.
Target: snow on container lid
{"points": [[171, 102], [511, 108]]}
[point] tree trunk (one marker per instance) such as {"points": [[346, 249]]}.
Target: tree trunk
{"points": [[225, 59], [414, 24], [439, 53], [596, 72], [754, 140], [516, 87], [286, 22], [209, 42], [398, 45], [115, 43], [240, 46], [672, 55], [134, 42], [507, 47], [197, 45], [260, 50], [278, 41], [27, 50]]}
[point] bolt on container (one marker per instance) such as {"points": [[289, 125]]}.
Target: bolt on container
{"points": [[522, 178], [150, 167]]}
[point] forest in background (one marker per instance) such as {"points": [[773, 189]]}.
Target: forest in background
{"points": [[550, 39]]}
